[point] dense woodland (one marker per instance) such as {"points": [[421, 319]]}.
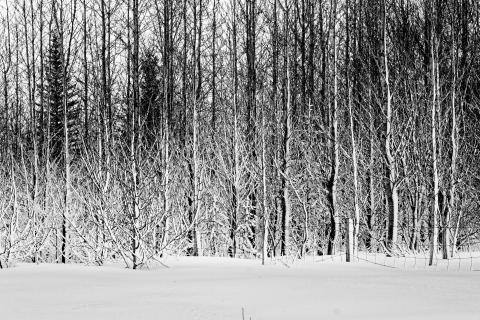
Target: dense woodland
{"points": [[132, 129]]}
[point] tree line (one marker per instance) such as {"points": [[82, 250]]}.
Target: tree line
{"points": [[132, 129]]}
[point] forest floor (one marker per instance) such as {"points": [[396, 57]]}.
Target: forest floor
{"points": [[220, 288]]}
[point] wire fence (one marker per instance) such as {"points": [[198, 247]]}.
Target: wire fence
{"points": [[460, 261]]}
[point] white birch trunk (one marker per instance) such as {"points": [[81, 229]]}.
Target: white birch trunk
{"points": [[434, 213]]}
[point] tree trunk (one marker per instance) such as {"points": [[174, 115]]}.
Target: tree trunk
{"points": [[335, 153], [370, 173], [285, 246], [391, 172], [356, 216], [236, 156], [435, 209], [266, 216], [136, 259], [453, 164]]}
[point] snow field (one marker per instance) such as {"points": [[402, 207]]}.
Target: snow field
{"points": [[218, 288]]}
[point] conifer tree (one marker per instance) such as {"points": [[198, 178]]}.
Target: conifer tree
{"points": [[150, 95], [54, 93]]}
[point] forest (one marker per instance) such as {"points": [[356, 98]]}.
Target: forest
{"points": [[135, 129]]}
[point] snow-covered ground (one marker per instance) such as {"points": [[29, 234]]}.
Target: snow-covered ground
{"points": [[219, 288]]}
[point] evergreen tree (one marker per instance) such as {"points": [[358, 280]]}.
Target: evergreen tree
{"points": [[150, 95], [55, 95]]}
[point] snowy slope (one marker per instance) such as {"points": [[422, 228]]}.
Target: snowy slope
{"points": [[218, 288]]}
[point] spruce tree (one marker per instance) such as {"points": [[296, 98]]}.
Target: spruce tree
{"points": [[55, 94], [150, 95]]}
